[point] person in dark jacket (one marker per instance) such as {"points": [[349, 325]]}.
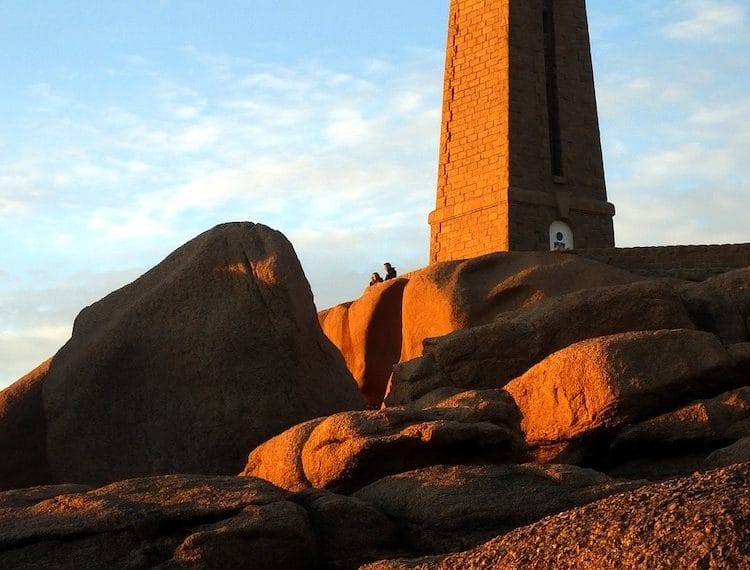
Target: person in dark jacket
{"points": [[390, 271]]}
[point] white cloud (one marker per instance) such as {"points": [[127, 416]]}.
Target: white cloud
{"points": [[347, 127], [21, 352], [709, 20]]}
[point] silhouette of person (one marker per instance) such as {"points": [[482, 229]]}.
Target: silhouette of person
{"points": [[375, 278], [390, 271]]}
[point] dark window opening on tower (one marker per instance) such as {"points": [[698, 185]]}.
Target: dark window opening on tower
{"points": [[553, 102]]}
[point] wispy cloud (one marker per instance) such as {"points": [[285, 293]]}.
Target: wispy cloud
{"points": [[708, 20], [674, 118], [343, 162]]}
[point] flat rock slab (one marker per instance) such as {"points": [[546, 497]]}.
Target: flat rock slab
{"points": [[738, 452], [449, 508], [699, 424], [183, 521], [142, 523], [702, 521]]}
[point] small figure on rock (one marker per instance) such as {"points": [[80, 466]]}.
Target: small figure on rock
{"points": [[375, 278], [390, 271]]}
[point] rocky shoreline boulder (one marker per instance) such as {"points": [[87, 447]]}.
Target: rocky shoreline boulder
{"points": [[609, 382], [446, 508], [349, 450], [186, 521], [208, 354], [489, 356], [472, 292]]}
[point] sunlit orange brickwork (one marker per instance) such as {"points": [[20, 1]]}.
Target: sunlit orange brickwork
{"points": [[520, 144]]}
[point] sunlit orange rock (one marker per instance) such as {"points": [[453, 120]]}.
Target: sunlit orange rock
{"points": [[210, 353], [455, 295], [23, 432], [279, 460], [608, 382], [492, 354], [701, 521], [349, 450], [368, 334]]}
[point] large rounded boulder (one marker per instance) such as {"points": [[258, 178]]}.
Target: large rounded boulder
{"points": [[210, 353], [456, 295]]}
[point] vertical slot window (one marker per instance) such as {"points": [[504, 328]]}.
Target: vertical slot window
{"points": [[553, 101]]}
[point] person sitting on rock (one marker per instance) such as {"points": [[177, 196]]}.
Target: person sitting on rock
{"points": [[375, 278], [390, 271]]}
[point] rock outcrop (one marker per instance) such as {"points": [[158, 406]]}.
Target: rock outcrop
{"points": [[216, 359], [455, 295], [368, 334], [449, 508], [717, 421], [738, 452], [734, 286], [701, 521], [210, 353], [491, 355], [713, 310], [181, 521], [609, 382], [347, 451]]}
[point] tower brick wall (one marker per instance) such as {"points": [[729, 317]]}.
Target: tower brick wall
{"points": [[520, 144]]}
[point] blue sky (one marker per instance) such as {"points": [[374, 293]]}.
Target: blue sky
{"points": [[127, 128]]}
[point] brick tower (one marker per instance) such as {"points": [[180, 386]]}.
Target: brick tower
{"points": [[520, 154]]}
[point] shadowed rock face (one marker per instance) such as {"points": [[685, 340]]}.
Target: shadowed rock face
{"points": [[449, 508], [186, 521], [211, 352], [725, 418], [733, 286], [702, 521], [23, 433], [738, 452]]}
